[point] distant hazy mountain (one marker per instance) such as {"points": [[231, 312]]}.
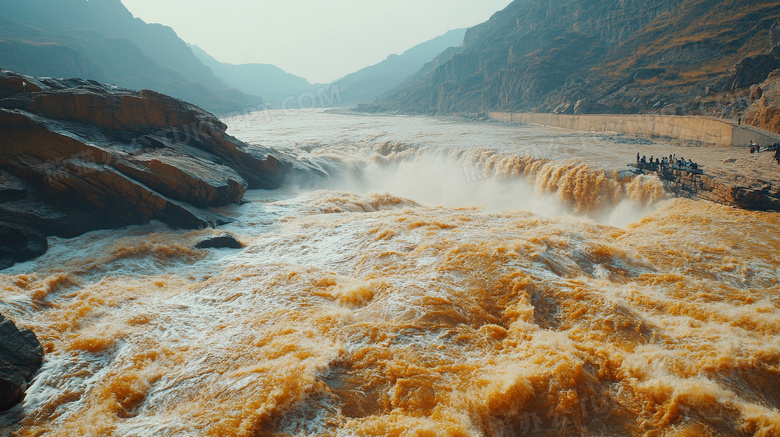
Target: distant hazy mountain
{"points": [[585, 56], [38, 53], [427, 69], [366, 85], [100, 39], [269, 81], [275, 85]]}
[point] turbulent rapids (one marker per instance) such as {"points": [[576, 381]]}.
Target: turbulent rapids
{"points": [[450, 279]]}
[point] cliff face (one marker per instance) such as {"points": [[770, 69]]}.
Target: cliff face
{"points": [[582, 56], [76, 155]]}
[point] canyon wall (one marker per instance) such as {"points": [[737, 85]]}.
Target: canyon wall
{"points": [[683, 57]]}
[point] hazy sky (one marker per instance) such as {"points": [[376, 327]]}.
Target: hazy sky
{"points": [[320, 40]]}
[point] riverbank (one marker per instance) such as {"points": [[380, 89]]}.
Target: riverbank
{"points": [[78, 156], [706, 130], [401, 293], [719, 187], [732, 176]]}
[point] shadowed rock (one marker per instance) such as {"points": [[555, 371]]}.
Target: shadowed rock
{"points": [[21, 355], [19, 243], [225, 241]]}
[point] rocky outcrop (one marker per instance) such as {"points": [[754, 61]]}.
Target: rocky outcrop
{"points": [[764, 113], [728, 190], [754, 69], [76, 155], [225, 241], [21, 355]]}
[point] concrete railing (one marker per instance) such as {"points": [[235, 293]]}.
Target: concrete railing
{"points": [[706, 130]]}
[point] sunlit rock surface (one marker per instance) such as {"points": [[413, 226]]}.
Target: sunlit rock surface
{"points": [[77, 155]]}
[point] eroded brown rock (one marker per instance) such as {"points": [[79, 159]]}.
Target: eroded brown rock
{"points": [[119, 157], [722, 188], [765, 113]]}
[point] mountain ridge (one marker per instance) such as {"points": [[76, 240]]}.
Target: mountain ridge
{"points": [[366, 84], [102, 40], [613, 56], [267, 80]]}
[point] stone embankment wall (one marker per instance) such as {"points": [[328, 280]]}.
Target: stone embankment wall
{"points": [[706, 130]]}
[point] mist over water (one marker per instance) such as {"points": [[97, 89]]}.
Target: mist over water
{"points": [[449, 279], [451, 162]]}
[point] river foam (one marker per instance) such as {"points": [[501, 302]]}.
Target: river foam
{"points": [[417, 309]]}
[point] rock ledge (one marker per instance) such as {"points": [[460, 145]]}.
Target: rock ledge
{"points": [[77, 155]]}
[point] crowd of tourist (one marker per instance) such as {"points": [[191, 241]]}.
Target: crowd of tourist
{"points": [[756, 148], [666, 162], [672, 162]]}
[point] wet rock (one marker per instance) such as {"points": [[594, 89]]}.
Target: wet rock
{"points": [[186, 178], [752, 194], [77, 155], [32, 212], [225, 241], [19, 243], [11, 187], [21, 355]]}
